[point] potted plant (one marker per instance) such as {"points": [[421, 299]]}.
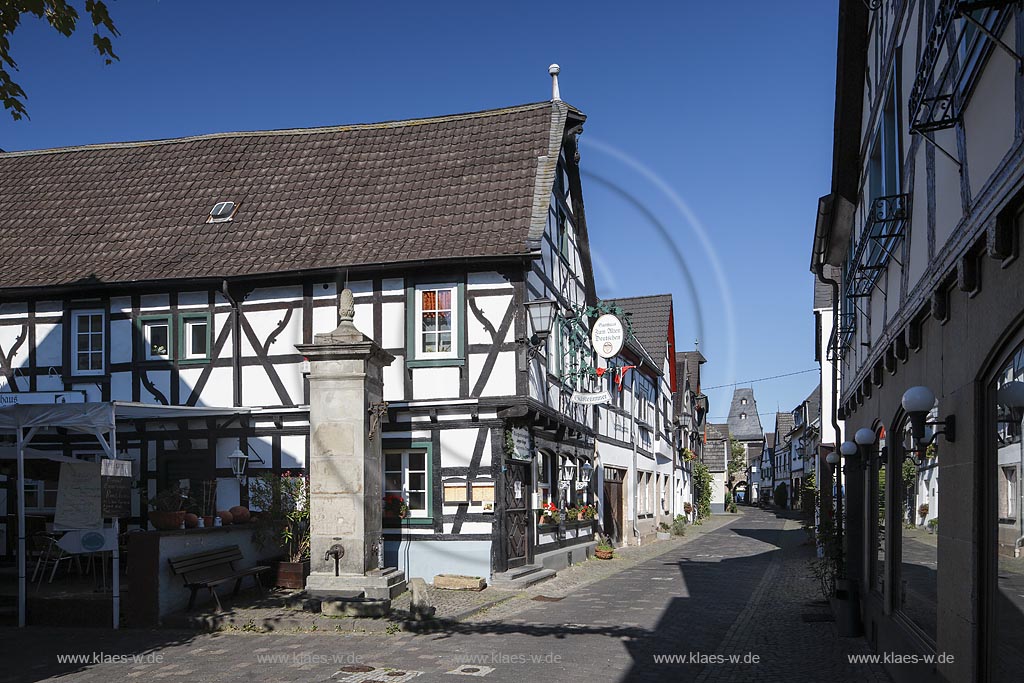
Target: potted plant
{"points": [[588, 512], [572, 513], [933, 525], [283, 502], [664, 532], [688, 508], [604, 550], [689, 455], [395, 507], [168, 509], [550, 514], [922, 511]]}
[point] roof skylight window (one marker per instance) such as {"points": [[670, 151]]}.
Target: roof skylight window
{"points": [[221, 212]]}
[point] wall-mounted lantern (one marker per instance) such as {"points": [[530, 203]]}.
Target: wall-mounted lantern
{"points": [[541, 313], [239, 463], [918, 402], [566, 472], [586, 472]]}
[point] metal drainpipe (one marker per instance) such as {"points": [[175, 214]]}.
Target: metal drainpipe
{"points": [[819, 271], [636, 473], [236, 342]]}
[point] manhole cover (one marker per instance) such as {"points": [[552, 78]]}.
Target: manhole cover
{"points": [[545, 598], [816, 618]]}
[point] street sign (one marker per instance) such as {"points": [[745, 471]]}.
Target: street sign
{"points": [[608, 335], [590, 399], [26, 398]]}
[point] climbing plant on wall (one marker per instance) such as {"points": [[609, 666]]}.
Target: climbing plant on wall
{"points": [[702, 485]]}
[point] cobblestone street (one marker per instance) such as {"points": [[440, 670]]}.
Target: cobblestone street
{"points": [[740, 590]]}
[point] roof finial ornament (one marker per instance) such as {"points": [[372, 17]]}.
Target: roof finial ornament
{"points": [[553, 70], [696, 344], [346, 306]]}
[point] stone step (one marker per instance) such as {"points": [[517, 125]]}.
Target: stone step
{"points": [[523, 580], [519, 571]]}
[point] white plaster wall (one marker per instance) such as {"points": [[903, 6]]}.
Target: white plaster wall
{"points": [[948, 204], [392, 315], [435, 382], [502, 380], [493, 309], [427, 559], [989, 117], [218, 390], [121, 341], [457, 447], [293, 451]]}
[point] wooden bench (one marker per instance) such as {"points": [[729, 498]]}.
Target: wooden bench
{"points": [[211, 568]]}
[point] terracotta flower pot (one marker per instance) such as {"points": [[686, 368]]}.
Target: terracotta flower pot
{"points": [[207, 521], [225, 517], [164, 520], [604, 554], [291, 574], [191, 521], [239, 514]]}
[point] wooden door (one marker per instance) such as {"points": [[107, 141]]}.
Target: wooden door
{"points": [[613, 510], [516, 507]]}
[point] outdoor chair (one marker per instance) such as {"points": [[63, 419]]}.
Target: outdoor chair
{"points": [[51, 558]]}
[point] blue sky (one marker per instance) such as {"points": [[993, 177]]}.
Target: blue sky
{"points": [[715, 117]]}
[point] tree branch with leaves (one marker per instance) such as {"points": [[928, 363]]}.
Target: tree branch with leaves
{"points": [[63, 18]]}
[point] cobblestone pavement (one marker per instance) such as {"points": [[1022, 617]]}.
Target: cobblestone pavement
{"points": [[740, 590]]}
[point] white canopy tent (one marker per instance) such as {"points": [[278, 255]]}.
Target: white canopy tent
{"points": [[100, 420]]}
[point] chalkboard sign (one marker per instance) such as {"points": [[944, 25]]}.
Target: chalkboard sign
{"points": [[116, 488]]}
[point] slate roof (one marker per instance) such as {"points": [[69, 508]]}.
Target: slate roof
{"points": [[451, 187], [650, 321], [769, 439], [688, 367], [750, 428], [813, 402], [783, 425], [823, 291], [717, 432]]}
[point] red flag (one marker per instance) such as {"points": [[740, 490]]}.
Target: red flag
{"points": [[621, 375]]}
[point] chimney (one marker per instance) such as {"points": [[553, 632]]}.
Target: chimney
{"points": [[553, 70]]}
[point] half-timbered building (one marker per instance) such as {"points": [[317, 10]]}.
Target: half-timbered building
{"points": [[184, 272]]}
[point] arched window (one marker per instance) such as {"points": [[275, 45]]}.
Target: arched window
{"points": [[1003, 522]]}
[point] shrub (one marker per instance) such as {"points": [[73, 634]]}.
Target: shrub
{"points": [[702, 485], [679, 526], [780, 496]]}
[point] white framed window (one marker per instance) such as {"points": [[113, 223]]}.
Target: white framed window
{"points": [[436, 321], [406, 474], [88, 341], [195, 337], [40, 496], [156, 333]]}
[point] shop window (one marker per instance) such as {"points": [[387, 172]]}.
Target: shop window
{"points": [[879, 498], [40, 496], [1004, 525], [88, 340], [917, 597]]}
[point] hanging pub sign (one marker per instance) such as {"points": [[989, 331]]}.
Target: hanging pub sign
{"points": [[522, 444], [590, 398], [607, 336]]}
